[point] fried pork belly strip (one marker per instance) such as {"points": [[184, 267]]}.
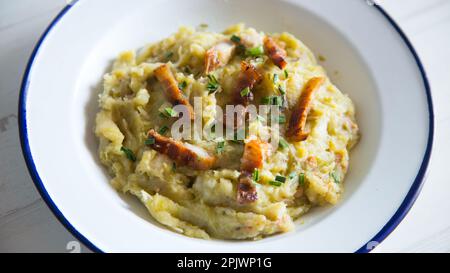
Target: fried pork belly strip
{"points": [[183, 154], [218, 55], [165, 76], [297, 122], [276, 53], [248, 77], [254, 153]]}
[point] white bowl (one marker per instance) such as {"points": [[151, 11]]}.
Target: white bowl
{"points": [[368, 57]]}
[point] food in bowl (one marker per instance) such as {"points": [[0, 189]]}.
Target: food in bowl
{"points": [[248, 185]]}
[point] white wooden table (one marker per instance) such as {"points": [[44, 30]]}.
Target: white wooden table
{"points": [[27, 225]]}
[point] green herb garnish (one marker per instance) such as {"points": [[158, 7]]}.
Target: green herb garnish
{"points": [[275, 183], [235, 38], [220, 147], [169, 113], [254, 51], [150, 141], [255, 175], [335, 178], [280, 178], [301, 179], [282, 89], [275, 78], [277, 100], [260, 118], [272, 100], [169, 55], [129, 153], [182, 85], [213, 84], [286, 73], [283, 144], [282, 119], [163, 130], [245, 92]]}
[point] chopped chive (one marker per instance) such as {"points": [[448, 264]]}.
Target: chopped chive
{"points": [[266, 100], [235, 38], [254, 51], [150, 141], [213, 84], [277, 100], [282, 89], [275, 183], [182, 85], [301, 179], [220, 147], [282, 119], [163, 130], [245, 92], [129, 153], [260, 118], [280, 178], [335, 178], [286, 73], [170, 113], [174, 166], [275, 78], [240, 49], [162, 115], [255, 175], [283, 143], [169, 55], [272, 100]]}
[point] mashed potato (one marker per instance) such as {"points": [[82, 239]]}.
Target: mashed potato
{"points": [[203, 200]]}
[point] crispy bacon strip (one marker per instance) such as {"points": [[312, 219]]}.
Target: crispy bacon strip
{"points": [[182, 153], [248, 77], [165, 76], [297, 122], [276, 53], [253, 157], [254, 152], [218, 55]]}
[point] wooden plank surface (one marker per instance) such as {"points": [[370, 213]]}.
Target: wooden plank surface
{"points": [[26, 224]]}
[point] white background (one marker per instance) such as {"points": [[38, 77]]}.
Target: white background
{"points": [[27, 225]]}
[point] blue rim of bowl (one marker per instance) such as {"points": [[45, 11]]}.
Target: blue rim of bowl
{"points": [[401, 212]]}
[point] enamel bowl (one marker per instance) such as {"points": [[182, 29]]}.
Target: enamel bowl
{"points": [[367, 57]]}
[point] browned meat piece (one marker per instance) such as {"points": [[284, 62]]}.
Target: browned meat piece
{"points": [[165, 76], [183, 154], [253, 157], [248, 77], [246, 190], [297, 121], [275, 52], [254, 153], [218, 55]]}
